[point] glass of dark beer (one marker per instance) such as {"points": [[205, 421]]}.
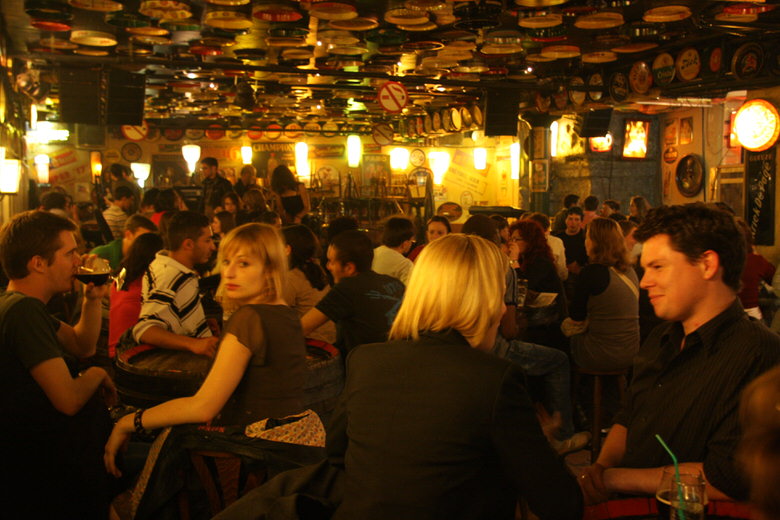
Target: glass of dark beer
{"points": [[94, 270], [687, 493]]}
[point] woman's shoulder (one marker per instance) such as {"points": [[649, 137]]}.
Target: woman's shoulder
{"points": [[594, 269]]}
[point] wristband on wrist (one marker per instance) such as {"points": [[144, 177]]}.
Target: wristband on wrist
{"points": [[138, 421]]}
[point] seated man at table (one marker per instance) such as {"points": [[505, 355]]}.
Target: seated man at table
{"points": [[172, 315], [363, 303], [397, 239], [135, 226], [689, 372]]}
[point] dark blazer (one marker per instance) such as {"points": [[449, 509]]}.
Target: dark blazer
{"points": [[434, 428]]}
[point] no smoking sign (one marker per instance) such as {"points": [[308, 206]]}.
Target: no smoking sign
{"points": [[392, 97], [382, 134]]}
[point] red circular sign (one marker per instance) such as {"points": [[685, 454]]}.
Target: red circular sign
{"points": [[382, 134], [215, 132], [392, 97], [254, 133], [135, 132]]}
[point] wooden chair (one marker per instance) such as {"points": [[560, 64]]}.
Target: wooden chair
{"points": [[596, 412]]}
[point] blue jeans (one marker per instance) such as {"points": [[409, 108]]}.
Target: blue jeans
{"points": [[550, 364]]}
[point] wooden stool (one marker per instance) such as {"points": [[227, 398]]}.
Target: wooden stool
{"points": [[595, 422]]}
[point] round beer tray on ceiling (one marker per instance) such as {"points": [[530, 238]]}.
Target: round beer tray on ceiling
{"points": [[87, 51], [663, 69], [539, 3], [422, 27], [402, 16], [538, 22], [185, 24], [359, 23], [476, 115], [93, 38], [747, 61], [538, 58], [148, 30], [293, 131], [443, 19], [560, 51], [133, 50], [599, 57], [165, 10], [333, 11], [57, 43], [206, 50], [640, 77], [463, 45], [504, 37], [103, 6], [347, 50], [250, 53], [150, 40], [298, 54], [667, 13], [604, 20], [497, 50], [47, 25], [426, 5], [125, 20], [228, 2], [732, 17], [437, 62], [194, 133], [456, 121], [227, 19], [281, 41], [595, 80], [748, 8], [425, 45], [688, 64], [455, 54], [635, 47], [577, 97], [36, 8], [276, 13], [216, 41], [52, 16]]}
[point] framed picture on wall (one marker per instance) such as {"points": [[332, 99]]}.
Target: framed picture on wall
{"points": [[686, 130], [671, 129], [540, 175], [538, 143]]}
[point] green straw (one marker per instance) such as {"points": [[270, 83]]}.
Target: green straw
{"points": [[676, 475]]}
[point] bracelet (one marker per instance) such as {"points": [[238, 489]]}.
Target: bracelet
{"points": [[137, 421]]}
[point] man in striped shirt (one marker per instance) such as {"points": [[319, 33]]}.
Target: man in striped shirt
{"points": [[172, 315]]}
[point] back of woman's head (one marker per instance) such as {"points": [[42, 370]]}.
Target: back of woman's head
{"points": [[253, 200], [608, 246], [282, 179], [536, 245], [458, 282], [165, 201], [226, 221], [233, 197], [264, 243], [304, 249], [139, 256]]}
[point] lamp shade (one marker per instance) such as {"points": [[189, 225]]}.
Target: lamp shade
{"points": [[140, 172], [354, 150], [514, 160], [9, 176], [96, 165], [42, 168], [399, 158], [246, 154], [191, 153], [302, 160], [440, 163], [480, 158]]}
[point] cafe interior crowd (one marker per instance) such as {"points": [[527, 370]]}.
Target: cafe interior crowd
{"points": [[393, 259]]}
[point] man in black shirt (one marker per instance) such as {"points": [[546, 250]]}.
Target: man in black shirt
{"points": [[559, 220], [689, 373], [363, 304], [215, 186], [573, 238]]}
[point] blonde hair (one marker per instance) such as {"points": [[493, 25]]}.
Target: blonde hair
{"points": [[458, 282], [263, 242], [608, 245]]}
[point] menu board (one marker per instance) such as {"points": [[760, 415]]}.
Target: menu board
{"points": [[760, 211]]}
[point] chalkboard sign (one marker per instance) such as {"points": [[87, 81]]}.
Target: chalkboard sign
{"points": [[760, 212]]}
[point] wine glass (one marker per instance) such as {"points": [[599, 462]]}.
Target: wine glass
{"points": [[687, 493], [98, 271]]}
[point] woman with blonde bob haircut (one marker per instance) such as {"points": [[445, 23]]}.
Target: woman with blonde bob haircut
{"points": [[429, 424], [604, 311], [260, 367]]}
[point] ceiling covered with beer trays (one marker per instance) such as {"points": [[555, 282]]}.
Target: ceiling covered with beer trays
{"points": [[313, 62]]}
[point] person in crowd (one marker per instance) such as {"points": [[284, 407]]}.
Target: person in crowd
{"points": [[135, 226], [436, 227], [502, 224], [122, 176], [271, 218], [55, 202], [449, 451], [574, 242], [362, 303], [222, 224], [555, 243], [307, 282], [165, 220], [54, 418], [757, 269], [690, 371], [214, 185], [116, 214], [126, 300], [607, 296], [389, 259], [559, 220], [608, 207], [259, 371], [334, 227], [590, 208], [254, 205], [291, 200], [634, 248], [166, 200], [247, 179], [759, 447], [638, 208], [146, 207], [231, 203], [172, 315]]}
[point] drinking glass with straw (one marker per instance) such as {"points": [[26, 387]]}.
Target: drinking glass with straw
{"points": [[681, 495]]}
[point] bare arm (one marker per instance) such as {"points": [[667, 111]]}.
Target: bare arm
{"points": [[312, 320], [66, 394], [81, 339], [645, 481], [222, 380], [159, 337]]}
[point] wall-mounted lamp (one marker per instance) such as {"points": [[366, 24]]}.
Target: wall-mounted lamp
{"points": [[42, 168], [399, 158], [440, 163], [514, 161], [9, 176], [554, 139], [96, 166], [191, 153], [757, 125], [480, 158], [354, 150], [246, 154], [141, 172], [302, 166]]}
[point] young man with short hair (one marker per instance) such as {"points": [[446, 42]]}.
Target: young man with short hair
{"points": [[690, 371], [363, 304], [135, 226], [215, 186], [55, 419], [116, 213], [590, 208], [172, 315], [559, 220], [389, 259], [121, 176], [573, 238], [610, 206]]}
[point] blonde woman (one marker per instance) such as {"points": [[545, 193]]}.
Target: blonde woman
{"points": [[605, 302], [430, 424], [260, 367]]}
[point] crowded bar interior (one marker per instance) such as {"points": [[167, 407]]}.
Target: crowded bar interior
{"points": [[252, 189]]}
